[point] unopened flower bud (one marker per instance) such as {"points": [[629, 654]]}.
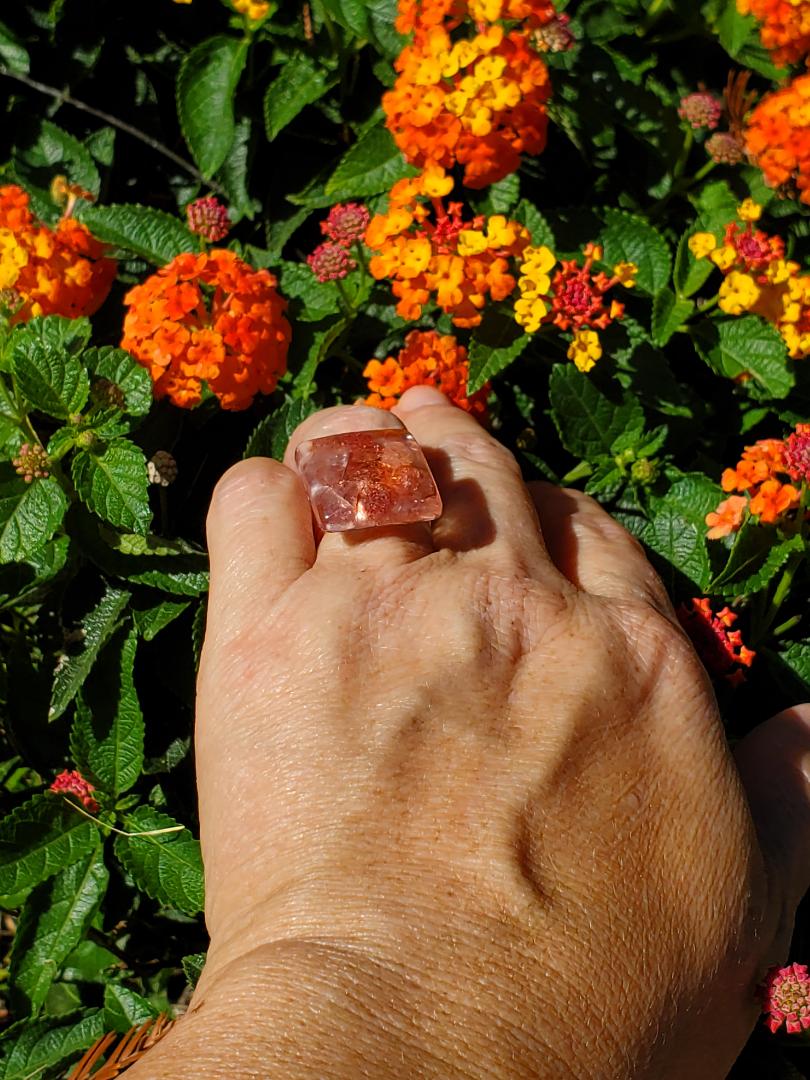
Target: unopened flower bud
{"points": [[346, 223], [73, 783], [161, 468], [555, 36], [797, 453], [85, 440], [209, 219], [31, 463], [724, 148], [330, 262], [644, 471], [701, 110]]}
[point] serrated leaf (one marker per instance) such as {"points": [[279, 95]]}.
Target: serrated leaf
{"points": [[690, 274], [108, 730], [124, 1009], [167, 867], [371, 166], [504, 194], [192, 967], [151, 234], [301, 81], [541, 232], [680, 543], [150, 621], [52, 923], [119, 367], [693, 495], [588, 421], [743, 344], [754, 560], [29, 516], [206, 84], [40, 838], [322, 341], [12, 52], [351, 14], [114, 484], [96, 628], [669, 313], [797, 658], [51, 149], [49, 1043], [297, 282], [48, 375], [271, 435], [627, 238], [486, 362]]}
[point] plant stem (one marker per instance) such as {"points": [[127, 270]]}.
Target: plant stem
{"points": [[688, 143], [66, 99], [346, 303]]}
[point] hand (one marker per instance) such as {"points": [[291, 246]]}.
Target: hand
{"points": [[466, 804]]}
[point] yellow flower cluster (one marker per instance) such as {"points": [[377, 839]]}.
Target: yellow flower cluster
{"points": [[534, 284], [758, 279]]}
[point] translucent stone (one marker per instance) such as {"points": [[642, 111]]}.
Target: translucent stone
{"points": [[365, 479]]}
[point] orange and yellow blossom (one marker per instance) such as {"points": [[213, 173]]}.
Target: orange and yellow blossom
{"points": [[727, 518], [427, 359], [478, 101], [431, 254], [784, 26], [234, 338], [760, 475], [46, 271], [777, 136], [420, 15]]}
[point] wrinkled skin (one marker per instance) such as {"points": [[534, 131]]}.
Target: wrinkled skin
{"points": [[466, 805]]}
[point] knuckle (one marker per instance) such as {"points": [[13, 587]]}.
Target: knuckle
{"points": [[478, 448]]}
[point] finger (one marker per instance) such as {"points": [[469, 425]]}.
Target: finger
{"points": [[259, 536], [774, 763], [388, 545], [486, 506], [594, 551]]}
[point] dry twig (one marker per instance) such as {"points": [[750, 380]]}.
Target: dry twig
{"points": [[131, 1047]]}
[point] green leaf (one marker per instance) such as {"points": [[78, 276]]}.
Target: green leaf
{"points": [[322, 341], [206, 84], [151, 234], [319, 298], [167, 867], [120, 368], [485, 362], [271, 435], [627, 238], [40, 838], [300, 82], [53, 150], [124, 1009], [53, 922], [114, 484], [351, 14], [53, 380], [754, 560], [541, 232], [668, 315], [29, 516], [588, 421], [50, 1043], [108, 729], [371, 166], [680, 543], [151, 620], [192, 967], [734, 29], [96, 628], [797, 658], [12, 52], [504, 195], [746, 344], [690, 274]]}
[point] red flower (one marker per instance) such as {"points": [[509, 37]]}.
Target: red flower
{"points": [[786, 998], [208, 218], [797, 453], [346, 223], [721, 650], [73, 783], [330, 262]]}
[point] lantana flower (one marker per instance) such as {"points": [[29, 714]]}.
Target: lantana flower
{"points": [[71, 782], [785, 996], [777, 136], [721, 649], [784, 26], [430, 253], [212, 319]]}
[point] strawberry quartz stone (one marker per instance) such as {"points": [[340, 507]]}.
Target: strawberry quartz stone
{"points": [[365, 479]]}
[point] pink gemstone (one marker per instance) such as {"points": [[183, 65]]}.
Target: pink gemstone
{"points": [[368, 478]]}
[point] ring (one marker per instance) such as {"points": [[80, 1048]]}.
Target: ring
{"points": [[365, 479]]}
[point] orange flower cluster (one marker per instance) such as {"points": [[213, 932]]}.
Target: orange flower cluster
{"points": [[777, 136], [479, 101], [428, 251], [722, 650], [785, 26], [760, 474], [427, 359], [758, 279], [208, 318], [45, 271]]}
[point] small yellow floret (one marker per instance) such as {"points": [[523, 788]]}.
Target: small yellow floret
{"points": [[702, 244], [724, 257], [748, 210], [738, 293], [585, 349], [626, 272]]}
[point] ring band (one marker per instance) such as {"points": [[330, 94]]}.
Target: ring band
{"points": [[367, 479]]}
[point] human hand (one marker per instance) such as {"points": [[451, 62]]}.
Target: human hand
{"points": [[466, 805]]}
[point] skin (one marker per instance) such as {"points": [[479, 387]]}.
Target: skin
{"points": [[467, 809]]}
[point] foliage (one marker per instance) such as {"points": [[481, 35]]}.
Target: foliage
{"points": [[103, 571]]}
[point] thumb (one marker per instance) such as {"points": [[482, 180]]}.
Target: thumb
{"points": [[774, 764]]}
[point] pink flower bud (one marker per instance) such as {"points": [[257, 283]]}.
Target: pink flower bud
{"points": [[209, 219]]}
